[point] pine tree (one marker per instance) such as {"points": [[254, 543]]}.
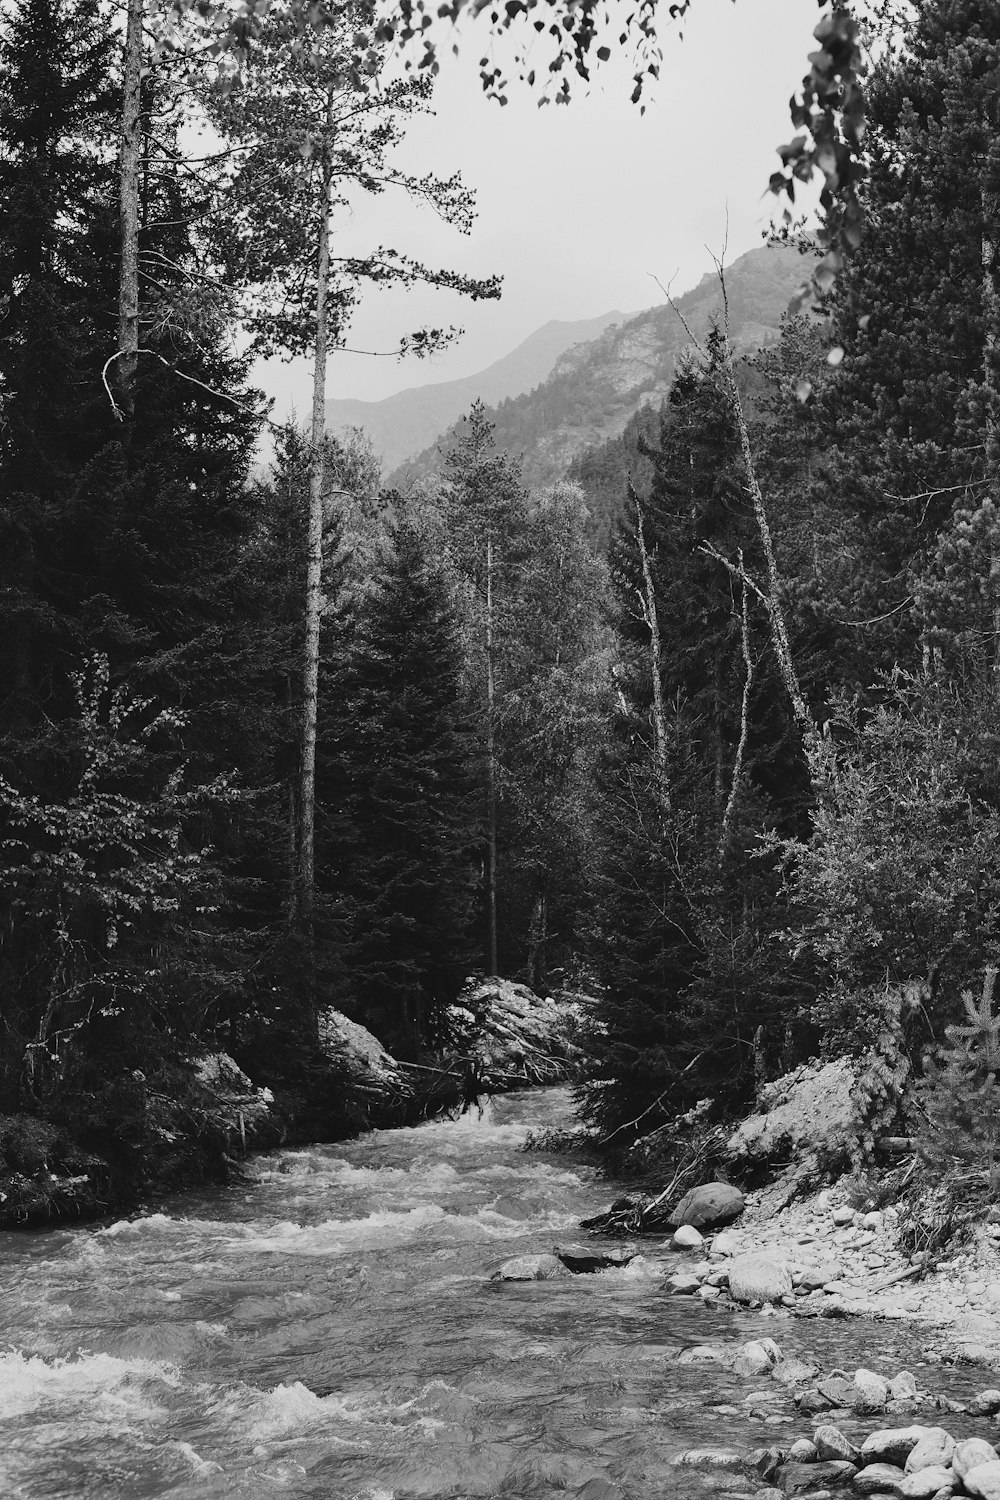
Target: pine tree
{"points": [[960, 1097], [409, 763]]}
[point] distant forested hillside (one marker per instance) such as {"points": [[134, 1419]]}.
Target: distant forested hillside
{"points": [[595, 388]]}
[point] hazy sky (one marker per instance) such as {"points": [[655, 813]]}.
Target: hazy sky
{"points": [[580, 206]]}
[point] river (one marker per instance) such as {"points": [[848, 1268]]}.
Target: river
{"points": [[329, 1329]]}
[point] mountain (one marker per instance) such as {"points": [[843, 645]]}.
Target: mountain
{"points": [[402, 425], [595, 388]]}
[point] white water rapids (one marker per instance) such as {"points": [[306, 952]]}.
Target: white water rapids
{"points": [[329, 1330]]}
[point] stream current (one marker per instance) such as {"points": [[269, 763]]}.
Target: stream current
{"points": [[328, 1329]]}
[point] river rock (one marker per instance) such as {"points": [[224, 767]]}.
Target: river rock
{"points": [[584, 1258], [871, 1391], [686, 1237], [759, 1277], [801, 1479], [757, 1358], [893, 1445], [708, 1354], [803, 1451], [877, 1479], [926, 1484], [531, 1268], [983, 1481], [814, 1278], [705, 1207], [791, 1372], [724, 1244], [831, 1443], [970, 1453], [682, 1284], [710, 1458], [902, 1387], [933, 1450], [986, 1404], [842, 1216]]}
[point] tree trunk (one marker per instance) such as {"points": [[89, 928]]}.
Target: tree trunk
{"points": [[128, 209], [647, 603], [991, 351], [491, 775], [314, 579]]}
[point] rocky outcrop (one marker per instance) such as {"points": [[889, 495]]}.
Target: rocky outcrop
{"points": [[510, 1035], [806, 1115]]}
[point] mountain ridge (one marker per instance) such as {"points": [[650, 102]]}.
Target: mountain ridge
{"points": [[595, 388], [404, 424]]}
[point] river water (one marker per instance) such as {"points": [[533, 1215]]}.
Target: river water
{"points": [[329, 1329]]}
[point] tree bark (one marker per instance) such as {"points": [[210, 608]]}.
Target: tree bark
{"points": [[314, 575], [128, 209]]}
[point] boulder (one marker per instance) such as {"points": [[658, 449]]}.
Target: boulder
{"points": [[706, 1207], [703, 1354], [983, 1481], [831, 1443], [871, 1391], [344, 1040], [757, 1358], [878, 1479], [686, 1237], [927, 1484], [970, 1454], [531, 1268], [791, 1372], [681, 1284], [759, 1277], [803, 1451], [710, 1458], [986, 1404], [893, 1445], [802, 1479], [933, 1450], [902, 1387], [583, 1258]]}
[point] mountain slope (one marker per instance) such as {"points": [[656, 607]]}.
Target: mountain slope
{"points": [[402, 425], [596, 387]]}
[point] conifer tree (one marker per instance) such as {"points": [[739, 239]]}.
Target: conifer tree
{"points": [[409, 758]]}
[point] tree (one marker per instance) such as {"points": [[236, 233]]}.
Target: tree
{"points": [[408, 760], [308, 130], [485, 506], [702, 755]]}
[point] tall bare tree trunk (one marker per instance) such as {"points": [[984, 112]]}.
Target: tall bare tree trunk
{"points": [[647, 603], [491, 773], [128, 209], [314, 575], [990, 200]]}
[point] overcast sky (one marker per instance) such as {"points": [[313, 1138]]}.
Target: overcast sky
{"points": [[580, 206]]}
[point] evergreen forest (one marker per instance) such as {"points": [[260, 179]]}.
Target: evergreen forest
{"points": [[725, 759]]}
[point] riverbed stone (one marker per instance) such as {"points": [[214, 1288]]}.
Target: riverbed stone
{"points": [[817, 1276], [531, 1268], [792, 1372], [878, 1479], [708, 1354], [757, 1358], [933, 1450], [970, 1454], [686, 1237], [585, 1258], [803, 1451], [927, 1483], [710, 1458], [724, 1244], [843, 1215], [893, 1445], [902, 1387], [706, 1207], [802, 1479], [831, 1443], [986, 1404], [759, 1277], [983, 1481], [682, 1284], [871, 1391]]}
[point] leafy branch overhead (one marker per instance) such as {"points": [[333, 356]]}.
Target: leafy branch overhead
{"points": [[828, 113]]}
